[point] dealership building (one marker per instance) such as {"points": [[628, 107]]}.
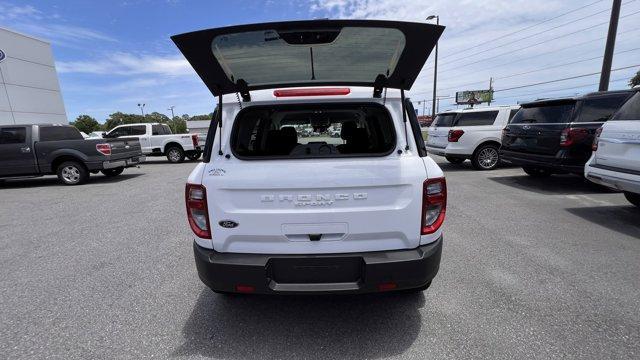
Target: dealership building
{"points": [[29, 87]]}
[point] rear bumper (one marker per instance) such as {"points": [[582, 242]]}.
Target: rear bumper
{"points": [[350, 273], [436, 150], [129, 162], [541, 161], [618, 180]]}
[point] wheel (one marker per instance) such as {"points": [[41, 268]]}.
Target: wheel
{"points": [[486, 157], [194, 155], [633, 198], [454, 160], [72, 173], [536, 172], [175, 154], [112, 172]]}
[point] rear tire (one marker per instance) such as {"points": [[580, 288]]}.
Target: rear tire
{"points": [[633, 198], [112, 172], [536, 172], [175, 154], [72, 173], [454, 160], [486, 157]]}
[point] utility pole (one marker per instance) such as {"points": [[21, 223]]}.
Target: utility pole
{"points": [[172, 115], [490, 90], [424, 105], [611, 44], [435, 71]]}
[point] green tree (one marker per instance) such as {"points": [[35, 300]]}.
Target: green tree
{"points": [[86, 124], [635, 81], [119, 118], [178, 125]]}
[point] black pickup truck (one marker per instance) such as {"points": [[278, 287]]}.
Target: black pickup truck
{"points": [[35, 150]]}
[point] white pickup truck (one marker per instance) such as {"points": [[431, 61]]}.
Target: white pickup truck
{"points": [[276, 209], [157, 140]]}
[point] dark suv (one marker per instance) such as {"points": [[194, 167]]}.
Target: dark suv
{"points": [[555, 136]]}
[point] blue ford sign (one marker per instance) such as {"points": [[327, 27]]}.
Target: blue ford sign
{"points": [[2, 55]]}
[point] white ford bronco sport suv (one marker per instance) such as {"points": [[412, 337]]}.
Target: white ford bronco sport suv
{"points": [[474, 134], [280, 204]]}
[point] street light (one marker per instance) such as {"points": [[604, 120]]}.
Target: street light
{"points": [[141, 106], [435, 70], [172, 115]]}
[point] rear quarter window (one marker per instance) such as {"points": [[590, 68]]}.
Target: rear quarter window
{"points": [[600, 109], [313, 131], [57, 133], [630, 110], [478, 118]]}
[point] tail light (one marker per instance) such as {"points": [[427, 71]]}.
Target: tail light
{"points": [[570, 137], [455, 135], [194, 139], [311, 92], [104, 149], [594, 146], [197, 211], [434, 205]]}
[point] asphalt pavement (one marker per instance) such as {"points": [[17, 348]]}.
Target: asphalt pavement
{"points": [[531, 268]]}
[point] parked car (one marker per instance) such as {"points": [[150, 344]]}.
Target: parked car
{"points": [[470, 134], [157, 140], [35, 150], [615, 161], [555, 136], [274, 213]]}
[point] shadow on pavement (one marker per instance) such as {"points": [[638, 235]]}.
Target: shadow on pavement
{"points": [[293, 327], [53, 181], [553, 185], [622, 219]]}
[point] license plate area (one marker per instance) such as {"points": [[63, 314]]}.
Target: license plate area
{"points": [[320, 270]]}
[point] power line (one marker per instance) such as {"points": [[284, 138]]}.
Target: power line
{"points": [[536, 44], [563, 79], [561, 89], [525, 28], [531, 35]]}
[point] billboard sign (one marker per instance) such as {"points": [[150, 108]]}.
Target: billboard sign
{"points": [[473, 97]]}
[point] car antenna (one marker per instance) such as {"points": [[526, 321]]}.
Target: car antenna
{"points": [[404, 119], [220, 122]]}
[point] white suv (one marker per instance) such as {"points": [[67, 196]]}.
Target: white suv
{"points": [[615, 161], [470, 134], [279, 205]]}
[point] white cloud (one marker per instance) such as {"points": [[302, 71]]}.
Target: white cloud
{"points": [[121, 63], [9, 11]]}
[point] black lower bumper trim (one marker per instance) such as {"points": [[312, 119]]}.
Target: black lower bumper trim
{"points": [[349, 273], [554, 164]]}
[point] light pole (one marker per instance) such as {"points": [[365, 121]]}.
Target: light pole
{"points": [[611, 44], [172, 115], [141, 106], [435, 70]]}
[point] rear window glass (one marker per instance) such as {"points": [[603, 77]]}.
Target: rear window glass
{"points": [[601, 108], [53, 133], [476, 118], [313, 131], [333, 55], [13, 135], [513, 113], [630, 110], [544, 114], [444, 120]]}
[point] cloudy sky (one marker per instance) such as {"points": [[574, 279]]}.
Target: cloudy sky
{"points": [[114, 54]]}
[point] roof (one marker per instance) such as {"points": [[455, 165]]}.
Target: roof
{"points": [[569, 99], [480, 109]]}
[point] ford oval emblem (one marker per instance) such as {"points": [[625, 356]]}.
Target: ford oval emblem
{"points": [[526, 127], [229, 224], [2, 55]]}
